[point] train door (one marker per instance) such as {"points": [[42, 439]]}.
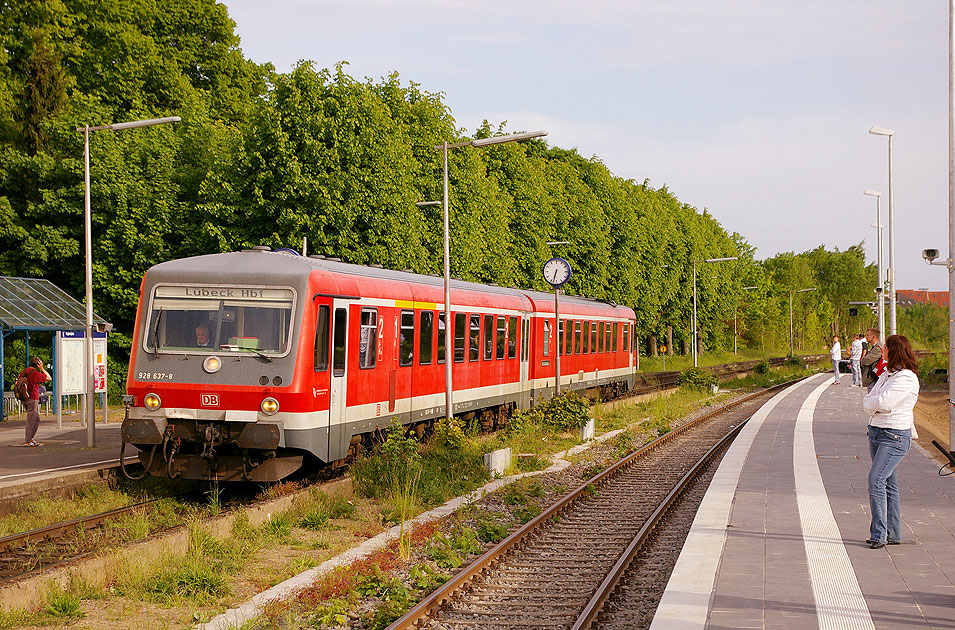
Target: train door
{"points": [[337, 416], [525, 395]]}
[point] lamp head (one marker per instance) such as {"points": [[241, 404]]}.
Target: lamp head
{"points": [[881, 131], [872, 193]]}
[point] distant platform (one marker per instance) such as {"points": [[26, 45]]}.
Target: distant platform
{"points": [[62, 460], [779, 541]]}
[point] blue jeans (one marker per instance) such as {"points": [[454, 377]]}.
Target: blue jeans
{"points": [[835, 369], [856, 372], [887, 448]]}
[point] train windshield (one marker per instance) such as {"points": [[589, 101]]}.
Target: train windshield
{"points": [[207, 319]]}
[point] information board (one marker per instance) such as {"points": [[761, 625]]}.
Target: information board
{"points": [[71, 362]]}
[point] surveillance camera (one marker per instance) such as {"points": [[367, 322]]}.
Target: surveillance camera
{"points": [[930, 254], [103, 327]]}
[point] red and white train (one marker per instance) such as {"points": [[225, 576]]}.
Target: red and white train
{"points": [[249, 365]]}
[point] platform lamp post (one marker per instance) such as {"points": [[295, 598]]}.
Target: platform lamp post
{"points": [[735, 311], [448, 338], [792, 351], [881, 287], [924, 291], [879, 131], [88, 237], [694, 331]]}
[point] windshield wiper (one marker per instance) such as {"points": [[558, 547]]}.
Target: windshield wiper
{"points": [[155, 334], [258, 354]]}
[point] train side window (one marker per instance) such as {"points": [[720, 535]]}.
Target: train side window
{"points": [[501, 336], [593, 336], [546, 338], [474, 338], [442, 338], [600, 337], [368, 342], [406, 339], [338, 344], [626, 336], [586, 337], [525, 337], [488, 337], [577, 340], [511, 337], [426, 342], [459, 333], [607, 337], [560, 337], [615, 335], [321, 340]]}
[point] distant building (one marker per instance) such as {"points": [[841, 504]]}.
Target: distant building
{"points": [[911, 297]]}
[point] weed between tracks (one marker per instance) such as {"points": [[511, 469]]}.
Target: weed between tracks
{"points": [[219, 572]]}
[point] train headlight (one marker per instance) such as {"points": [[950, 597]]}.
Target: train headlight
{"points": [[152, 401], [212, 364], [269, 406]]}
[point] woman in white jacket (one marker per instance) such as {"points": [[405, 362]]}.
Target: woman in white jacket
{"points": [[891, 429]]}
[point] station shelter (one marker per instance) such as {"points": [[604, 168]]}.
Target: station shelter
{"points": [[37, 305]]}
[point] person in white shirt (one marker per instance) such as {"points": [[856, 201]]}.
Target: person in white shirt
{"points": [[891, 429], [855, 356], [835, 353]]}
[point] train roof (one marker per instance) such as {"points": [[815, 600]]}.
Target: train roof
{"points": [[284, 267]]}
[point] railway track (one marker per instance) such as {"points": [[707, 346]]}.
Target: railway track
{"points": [[560, 569]]}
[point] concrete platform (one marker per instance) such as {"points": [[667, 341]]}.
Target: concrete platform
{"points": [[779, 539], [63, 461]]}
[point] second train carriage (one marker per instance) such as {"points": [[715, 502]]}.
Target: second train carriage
{"points": [[304, 356]]}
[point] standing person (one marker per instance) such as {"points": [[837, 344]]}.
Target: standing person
{"points": [[855, 355], [891, 429], [35, 374], [835, 353], [872, 356]]}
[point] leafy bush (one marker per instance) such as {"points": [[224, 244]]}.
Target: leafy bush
{"points": [[762, 367], [562, 413], [697, 377], [424, 578], [489, 529], [793, 360]]}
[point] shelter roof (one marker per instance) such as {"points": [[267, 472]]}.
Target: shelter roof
{"points": [[38, 304]]}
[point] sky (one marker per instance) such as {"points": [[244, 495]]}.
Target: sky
{"points": [[756, 111]]}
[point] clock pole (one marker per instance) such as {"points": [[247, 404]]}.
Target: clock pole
{"points": [[557, 344]]}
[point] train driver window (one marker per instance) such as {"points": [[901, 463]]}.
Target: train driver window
{"points": [[488, 337], [501, 336], [474, 338], [459, 334], [321, 340], [406, 339], [442, 338], [511, 337], [339, 334], [546, 338], [615, 336], [426, 341], [368, 342]]}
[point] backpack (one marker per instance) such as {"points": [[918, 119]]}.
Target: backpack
{"points": [[21, 389]]}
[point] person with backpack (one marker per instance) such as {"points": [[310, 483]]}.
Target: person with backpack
{"points": [[870, 361], [33, 376]]}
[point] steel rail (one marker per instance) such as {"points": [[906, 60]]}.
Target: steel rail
{"points": [[605, 590], [427, 606]]}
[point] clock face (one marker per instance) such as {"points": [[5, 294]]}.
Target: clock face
{"points": [[556, 271]]}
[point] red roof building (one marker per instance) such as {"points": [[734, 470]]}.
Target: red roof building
{"points": [[909, 297]]}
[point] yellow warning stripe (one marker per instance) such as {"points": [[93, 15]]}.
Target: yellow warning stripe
{"points": [[430, 306]]}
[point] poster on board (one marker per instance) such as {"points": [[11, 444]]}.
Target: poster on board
{"points": [[71, 362]]}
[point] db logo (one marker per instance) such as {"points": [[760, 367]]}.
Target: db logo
{"points": [[209, 400]]}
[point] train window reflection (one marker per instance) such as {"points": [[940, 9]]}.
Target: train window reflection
{"points": [[426, 340], [501, 336], [321, 340], [546, 338], [511, 337], [488, 337], [197, 319], [368, 342], [339, 334], [459, 333], [406, 341], [474, 338]]}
